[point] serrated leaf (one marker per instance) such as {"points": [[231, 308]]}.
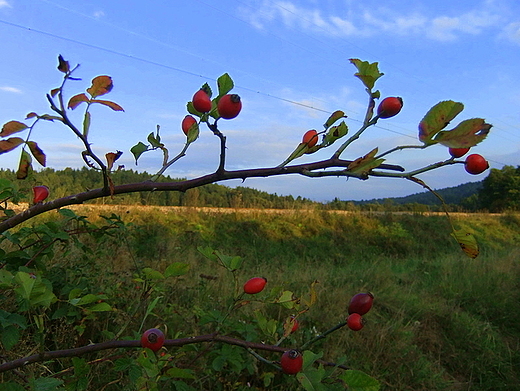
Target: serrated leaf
{"points": [[12, 127], [467, 242], [76, 100], [24, 166], [177, 269], [368, 72], [366, 163], [334, 133], [333, 118], [359, 381], [100, 307], [138, 149], [101, 85], [467, 134], [114, 106], [437, 118], [63, 66], [225, 84], [46, 384], [37, 153]]}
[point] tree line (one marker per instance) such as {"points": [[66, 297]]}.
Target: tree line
{"points": [[498, 192]]}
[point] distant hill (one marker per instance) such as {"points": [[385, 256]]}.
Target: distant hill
{"points": [[451, 195]]}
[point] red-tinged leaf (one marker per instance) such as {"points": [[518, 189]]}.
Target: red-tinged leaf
{"points": [[24, 166], [111, 158], [55, 91], [114, 106], [76, 100], [12, 127], [37, 152], [437, 118], [31, 115], [366, 163], [48, 117], [467, 134], [368, 73], [63, 66], [101, 85], [10, 144]]}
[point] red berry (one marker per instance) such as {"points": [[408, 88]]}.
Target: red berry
{"points": [[476, 164], [292, 361], [361, 303], [355, 322], [40, 193], [187, 123], [255, 285], [389, 107], [229, 106], [310, 138], [458, 152], [201, 101], [152, 339]]}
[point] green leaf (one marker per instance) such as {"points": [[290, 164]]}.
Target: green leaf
{"points": [[46, 384], [138, 149], [193, 133], [10, 336], [310, 358], [437, 118], [154, 140], [333, 118], [177, 269], [335, 133], [368, 73], [311, 379], [465, 135], [153, 274], [100, 307], [12, 127], [225, 84], [366, 163], [86, 123], [359, 381], [180, 373], [37, 152], [300, 150], [12, 387]]}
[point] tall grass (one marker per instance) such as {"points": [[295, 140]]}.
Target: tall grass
{"points": [[440, 321]]}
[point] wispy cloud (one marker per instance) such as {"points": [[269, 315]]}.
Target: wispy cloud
{"points": [[358, 22], [4, 3], [11, 89]]}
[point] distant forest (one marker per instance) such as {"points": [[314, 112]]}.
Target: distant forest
{"points": [[490, 194]]}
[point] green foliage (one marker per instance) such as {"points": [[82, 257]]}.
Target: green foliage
{"points": [[501, 190]]}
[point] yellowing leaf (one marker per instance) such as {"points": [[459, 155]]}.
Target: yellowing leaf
{"points": [[467, 242], [111, 158], [368, 73], [366, 163], [437, 118], [333, 118], [114, 106], [25, 166], [101, 85], [465, 135], [12, 127], [76, 100]]}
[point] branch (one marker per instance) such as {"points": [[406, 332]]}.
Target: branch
{"points": [[222, 175], [51, 355]]}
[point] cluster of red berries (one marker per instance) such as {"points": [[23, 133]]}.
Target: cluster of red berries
{"points": [[359, 305], [228, 107]]}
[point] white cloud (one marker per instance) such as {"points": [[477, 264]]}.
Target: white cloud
{"points": [[512, 32], [4, 3], [97, 14], [361, 22], [11, 89]]}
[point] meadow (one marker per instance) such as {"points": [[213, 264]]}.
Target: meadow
{"points": [[440, 321]]}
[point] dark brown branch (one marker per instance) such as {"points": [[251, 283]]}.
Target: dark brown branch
{"points": [[44, 356], [302, 169]]}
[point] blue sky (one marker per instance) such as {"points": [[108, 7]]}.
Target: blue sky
{"points": [[290, 64]]}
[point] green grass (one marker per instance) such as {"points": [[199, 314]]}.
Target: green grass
{"points": [[440, 320]]}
